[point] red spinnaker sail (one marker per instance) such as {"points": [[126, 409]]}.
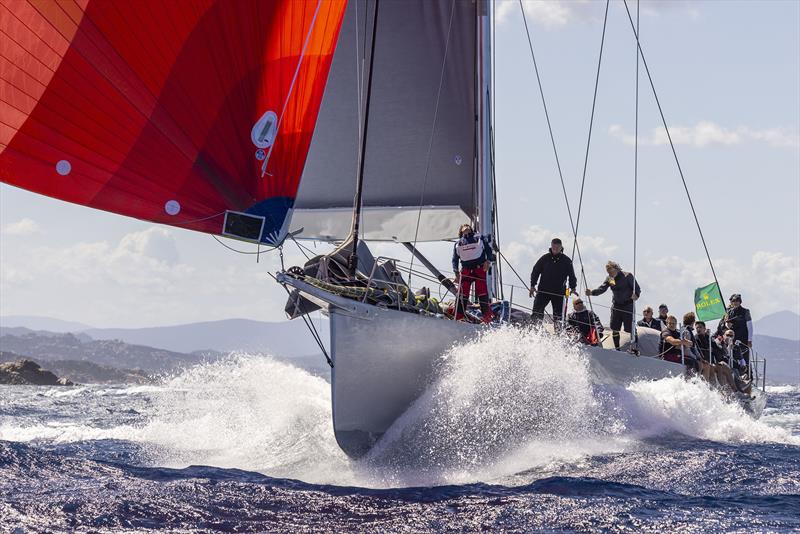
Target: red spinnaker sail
{"points": [[172, 112]]}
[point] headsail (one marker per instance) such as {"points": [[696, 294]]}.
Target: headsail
{"points": [[411, 40], [196, 115]]}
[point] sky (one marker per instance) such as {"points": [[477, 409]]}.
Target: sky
{"points": [[728, 78]]}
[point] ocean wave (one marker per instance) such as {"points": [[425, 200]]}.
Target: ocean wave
{"points": [[695, 409], [248, 412], [511, 406], [782, 389]]}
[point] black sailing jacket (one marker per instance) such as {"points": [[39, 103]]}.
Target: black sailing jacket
{"points": [[554, 270], [622, 288], [740, 317], [584, 320], [654, 323]]}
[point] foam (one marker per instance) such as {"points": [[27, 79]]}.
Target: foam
{"points": [[693, 408], [505, 402], [248, 412]]}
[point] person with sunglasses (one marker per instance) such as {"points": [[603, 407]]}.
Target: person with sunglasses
{"points": [[648, 321], [675, 348]]}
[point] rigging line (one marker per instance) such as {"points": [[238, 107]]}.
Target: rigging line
{"points": [[672, 146], [635, 334], [591, 125], [291, 87], [514, 270], [317, 338], [310, 325], [241, 251], [433, 128], [299, 247], [575, 247]]}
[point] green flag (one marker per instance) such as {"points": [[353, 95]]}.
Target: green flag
{"points": [[708, 302]]}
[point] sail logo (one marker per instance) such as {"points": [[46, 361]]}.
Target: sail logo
{"points": [[707, 301], [264, 130]]}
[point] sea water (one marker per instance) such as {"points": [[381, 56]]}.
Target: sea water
{"points": [[510, 436]]}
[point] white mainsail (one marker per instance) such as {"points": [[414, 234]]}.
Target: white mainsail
{"points": [[406, 168]]}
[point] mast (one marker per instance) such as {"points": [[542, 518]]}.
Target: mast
{"points": [[352, 260], [483, 96]]}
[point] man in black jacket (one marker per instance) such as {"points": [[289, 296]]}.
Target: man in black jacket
{"points": [[625, 290], [742, 321], [555, 269], [738, 319]]}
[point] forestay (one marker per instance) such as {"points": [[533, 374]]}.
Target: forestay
{"points": [[401, 173]]}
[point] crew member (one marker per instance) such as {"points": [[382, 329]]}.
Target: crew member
{"points": [[648, 321], [687, 333], [714, 355], [625, 291], [737, 361], [672, 342], [552, 272], [586, 323], [663, 312], [738, 319], [475, 254]]}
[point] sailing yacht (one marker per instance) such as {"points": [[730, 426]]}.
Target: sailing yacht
{"points": [[345, 122], [417, 76]]}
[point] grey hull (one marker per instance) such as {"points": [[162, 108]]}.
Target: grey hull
{"points": [[380, 366], [383, 363]]}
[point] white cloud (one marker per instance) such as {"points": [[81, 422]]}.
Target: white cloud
{"points": [[146, 259], [706, 133], [142, 280], [10, 276], [552, 14], [536, 240], [770, 282], [156, 243], [22, 227], [547, 13]]}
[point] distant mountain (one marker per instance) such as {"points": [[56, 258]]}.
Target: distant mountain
{"points": [[110, 353], [783, 358], [49, 324], [288, 338], [783, 324], [21, 331]]}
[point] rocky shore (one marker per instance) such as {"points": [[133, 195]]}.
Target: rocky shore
{"points": [[29, 373]]}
